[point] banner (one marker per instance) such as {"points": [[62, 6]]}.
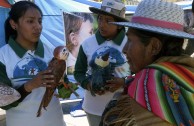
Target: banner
{"points": [[77, 27]]}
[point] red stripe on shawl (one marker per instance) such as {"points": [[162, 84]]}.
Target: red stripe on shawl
{"points": [[135, 90], [153, 94], [140, 95], [132, 88], [187, 76]]}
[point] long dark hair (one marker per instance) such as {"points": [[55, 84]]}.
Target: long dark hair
{"points": [[17, 11]]}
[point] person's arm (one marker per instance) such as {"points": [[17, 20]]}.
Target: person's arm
{"points": [[42, 79], [81, 69], [5, 80]]}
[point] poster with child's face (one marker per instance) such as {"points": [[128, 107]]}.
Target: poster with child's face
{"points": [[77, 27]]}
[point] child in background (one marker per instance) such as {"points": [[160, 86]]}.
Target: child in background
{"points": [[109, 38]]}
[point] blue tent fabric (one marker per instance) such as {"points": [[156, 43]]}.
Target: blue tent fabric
{"points": [[54, 7], [129, 8], [98, 4], [53, 27], [11, 1], [89, 2], [3, 14]]}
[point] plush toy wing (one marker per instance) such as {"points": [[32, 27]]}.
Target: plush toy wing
{"points": [[8, 95], [58, 67]]}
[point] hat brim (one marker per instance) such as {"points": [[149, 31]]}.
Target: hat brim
{"points": [[99, 11], [165, 31]]}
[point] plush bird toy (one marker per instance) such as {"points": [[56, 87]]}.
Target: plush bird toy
{"points": [[58, 67], [101, 72], [8, 95]]}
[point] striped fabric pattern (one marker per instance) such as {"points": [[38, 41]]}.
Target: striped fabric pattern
{"points": [[167, 90], [183, 76]]}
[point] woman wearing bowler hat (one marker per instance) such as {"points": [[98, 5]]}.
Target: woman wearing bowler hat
{"points": [[162, 90], [101, 66]]}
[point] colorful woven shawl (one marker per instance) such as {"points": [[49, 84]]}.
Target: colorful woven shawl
{"points": [[167, 90]]}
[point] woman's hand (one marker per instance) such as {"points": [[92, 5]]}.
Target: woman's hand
{"points": [[114, 84], [42, 79]]}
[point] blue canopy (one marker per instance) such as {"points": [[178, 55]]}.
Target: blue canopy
{"points": [[3, 14], [129, 8], [53, 27]]}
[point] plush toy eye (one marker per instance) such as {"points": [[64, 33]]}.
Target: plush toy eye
{"points": [[64, 50]]}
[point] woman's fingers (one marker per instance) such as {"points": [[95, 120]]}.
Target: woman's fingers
{"points": [[47, 78], [47, 72]]}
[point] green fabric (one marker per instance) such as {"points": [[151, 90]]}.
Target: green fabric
{"points": [[3, 76], [188, 96], [117, 40], [81, 68], [11, 1], [14, 104], [20, 51], [5, 80]]}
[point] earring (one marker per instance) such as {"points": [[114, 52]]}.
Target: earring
{"points": [[14, 27]]}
